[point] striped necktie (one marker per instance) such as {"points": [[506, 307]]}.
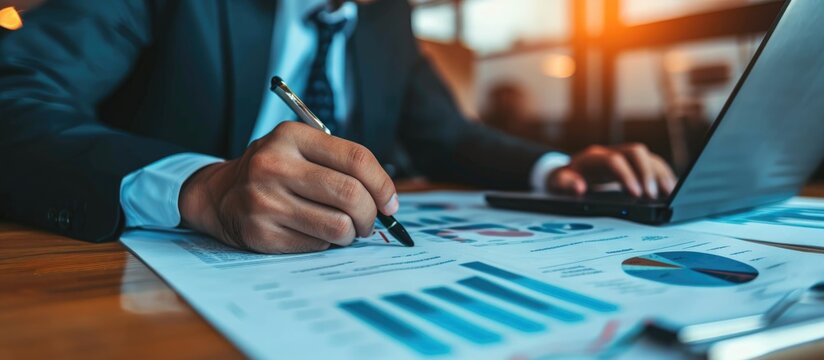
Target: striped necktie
{"points": [[318, 95]]}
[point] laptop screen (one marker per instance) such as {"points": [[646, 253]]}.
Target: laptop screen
{"points": [[769, 137]]}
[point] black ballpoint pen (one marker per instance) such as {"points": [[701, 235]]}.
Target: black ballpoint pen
{"points": [[304, 114]]}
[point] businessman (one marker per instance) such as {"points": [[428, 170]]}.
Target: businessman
{"points": [[151, 113]]}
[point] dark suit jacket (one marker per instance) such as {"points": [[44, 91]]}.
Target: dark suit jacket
{"points": [[93, 90]]}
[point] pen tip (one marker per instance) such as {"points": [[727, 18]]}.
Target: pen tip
{"points": [[403, 236], [276, 81]]}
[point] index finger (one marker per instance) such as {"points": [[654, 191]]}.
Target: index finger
{"points": [[622, 170], [641, 160], [354, 160]]}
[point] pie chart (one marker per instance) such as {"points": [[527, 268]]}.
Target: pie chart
{"points": [[689, 268]]}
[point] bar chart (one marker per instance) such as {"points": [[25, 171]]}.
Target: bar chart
{"points": [[440, 220], [426, 206], [812, 218], [483, 308], [471, 233], [395, 328], [544, 288], [486, 310], [444, 319]]}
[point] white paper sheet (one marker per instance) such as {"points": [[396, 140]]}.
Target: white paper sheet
{"points": [[480, 283], [799, 221]]}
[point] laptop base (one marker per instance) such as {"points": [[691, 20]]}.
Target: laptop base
{"points": [[613, 205]]}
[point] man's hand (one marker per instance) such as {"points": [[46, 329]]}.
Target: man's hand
{"points": [[294, 190], [640, 172]]}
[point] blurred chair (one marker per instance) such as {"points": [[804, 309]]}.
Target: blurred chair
{"points": [[507, 108], [456, 65], [685, 116]]}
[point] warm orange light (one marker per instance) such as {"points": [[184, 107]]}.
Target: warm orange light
{"points": [[677, 62], [558, 66], [10, 19]]}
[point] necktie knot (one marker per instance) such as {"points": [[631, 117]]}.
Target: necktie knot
{"points": [[325, 27]]}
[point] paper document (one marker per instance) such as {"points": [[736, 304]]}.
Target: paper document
{"points": [[799, 221], [480, 283]]}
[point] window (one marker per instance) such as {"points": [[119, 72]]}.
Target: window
{"points": [[641, 11], [435, 22], [496, 25]]}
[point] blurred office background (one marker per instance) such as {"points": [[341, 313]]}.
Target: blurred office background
{"points": [[571, 73], [576, 72]]}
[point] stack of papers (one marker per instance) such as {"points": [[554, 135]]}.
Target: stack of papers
{"points": [[799, 221], [481, 283]]}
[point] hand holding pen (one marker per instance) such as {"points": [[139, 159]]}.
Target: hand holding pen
{"points": [[305, 115], [294, 190]]}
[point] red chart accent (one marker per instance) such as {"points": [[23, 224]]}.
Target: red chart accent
{"points": [[731, 276], [383, 236], [648, 262], [606, 336]]}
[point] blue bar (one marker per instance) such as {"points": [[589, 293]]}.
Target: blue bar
{"points": [[453, 219], [395, 328], [432, 221], [490, 288], [444, 319], [486, 310], [543, 288]]}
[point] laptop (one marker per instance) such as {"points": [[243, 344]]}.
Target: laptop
{"points": [[764, 145]]}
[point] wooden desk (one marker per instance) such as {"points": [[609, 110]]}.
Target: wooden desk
{"points": [[66, 298]]}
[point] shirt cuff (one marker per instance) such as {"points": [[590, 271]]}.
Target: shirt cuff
{"points": [[149, 196], [545, 165]]}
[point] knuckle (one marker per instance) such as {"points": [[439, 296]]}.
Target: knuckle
{"points": [[614, 158], [279, 130], [347, 190], [268, 163], [359, 156], [257, 161], [594, 149], [339, 228], [365, 219], [638, 147], [285, 130]]}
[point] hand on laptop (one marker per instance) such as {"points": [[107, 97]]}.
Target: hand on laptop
{"points": [[294, 190], [640, 172]]}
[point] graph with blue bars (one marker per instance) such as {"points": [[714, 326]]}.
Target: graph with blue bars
{"points": [[433, 220], [521, 304], [803, 217]]}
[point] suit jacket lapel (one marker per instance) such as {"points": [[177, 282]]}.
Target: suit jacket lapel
{"points": [[369, 70], [249, 25]]}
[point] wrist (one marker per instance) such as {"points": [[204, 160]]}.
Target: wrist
{"points": [[197, 202]]}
